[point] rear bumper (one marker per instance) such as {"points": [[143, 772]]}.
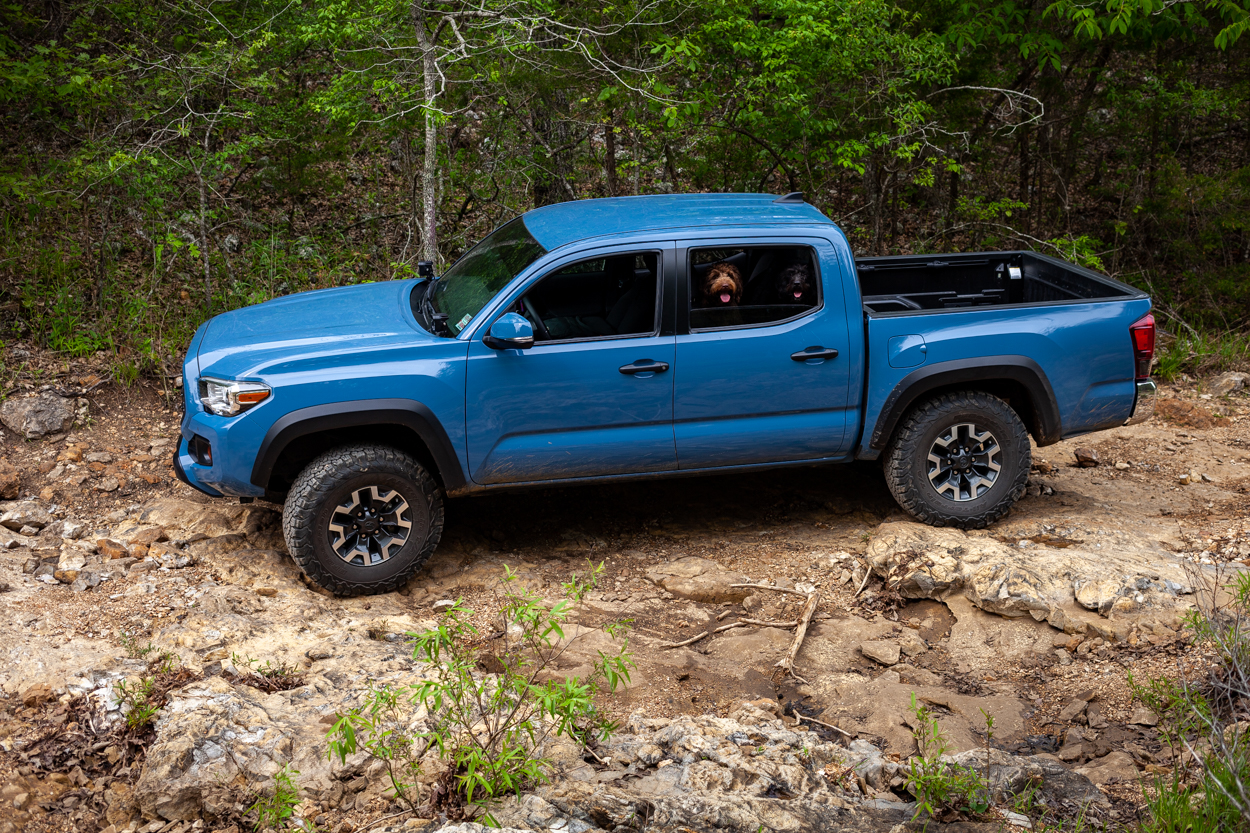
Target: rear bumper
{"points": [[1144, 404]]}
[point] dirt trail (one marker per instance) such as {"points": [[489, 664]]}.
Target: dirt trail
{"points": [[1165, 494]]}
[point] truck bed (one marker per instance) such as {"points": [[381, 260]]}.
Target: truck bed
{"points": [[919, 283]]}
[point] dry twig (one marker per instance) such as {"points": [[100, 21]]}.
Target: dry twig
{"points": [[689, 641], [787, 664], [801, 718], [770, 587]]}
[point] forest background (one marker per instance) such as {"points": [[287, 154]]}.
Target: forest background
{"points": [[165, 160]]}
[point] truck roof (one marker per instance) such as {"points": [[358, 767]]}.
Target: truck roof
{"points": [[557, 225]]}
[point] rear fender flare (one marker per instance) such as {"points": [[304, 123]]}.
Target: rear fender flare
{"points": [[359, 414], [1046, 425]]}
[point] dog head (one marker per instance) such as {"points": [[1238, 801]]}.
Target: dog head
{"points": [[794, 284], [722, 286]]}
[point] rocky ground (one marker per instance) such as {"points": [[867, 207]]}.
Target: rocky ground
{"points": [[1036, 622]]}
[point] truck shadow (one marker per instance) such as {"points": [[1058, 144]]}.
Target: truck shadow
{"points": [[609, 515]]}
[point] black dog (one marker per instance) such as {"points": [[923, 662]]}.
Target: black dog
{"points": [[794, 285]]}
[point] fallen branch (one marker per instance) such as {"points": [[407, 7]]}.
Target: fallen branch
{"points": [[689, 641], [770, 587], [757, 622], [787, 664], [843, 732], [597, 758], [740, 623], [864, 583]]}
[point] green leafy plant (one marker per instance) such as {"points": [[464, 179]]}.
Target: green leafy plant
{"points": [[275, 808], [941, 788], [492, 731], [132, 647], [268, 676], [139, 702]]}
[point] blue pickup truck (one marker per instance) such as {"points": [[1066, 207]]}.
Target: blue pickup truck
{"points": [[647, 337]]}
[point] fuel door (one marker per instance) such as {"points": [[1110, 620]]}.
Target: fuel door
{"points": [[907, 351]]}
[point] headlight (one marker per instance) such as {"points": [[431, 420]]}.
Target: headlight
{"points": [[224, 398]]}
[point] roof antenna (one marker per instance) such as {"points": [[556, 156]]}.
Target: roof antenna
{"points": [[792, 198]]}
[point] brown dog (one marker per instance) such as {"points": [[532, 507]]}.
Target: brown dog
{"points": [[722, 286]]}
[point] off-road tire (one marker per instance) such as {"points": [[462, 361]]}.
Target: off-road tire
{"points": [[322, 485], [906, 460]]}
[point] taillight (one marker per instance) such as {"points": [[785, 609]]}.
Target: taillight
{"points": [[1143, 333]]}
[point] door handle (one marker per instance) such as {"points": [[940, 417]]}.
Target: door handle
{"points": [[644, 366], [815, 353]]}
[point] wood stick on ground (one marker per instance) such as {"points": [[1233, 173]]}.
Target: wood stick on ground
{"points": [[741, 623], [770, 587], [864, 583], [787, 664], [689, 641], [822, 723]]}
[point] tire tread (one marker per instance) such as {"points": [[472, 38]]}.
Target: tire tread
{"points": [[903, 449], [313, 486]]}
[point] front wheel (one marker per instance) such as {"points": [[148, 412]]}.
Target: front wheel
{"points": [[961, 459], [362, 519]]}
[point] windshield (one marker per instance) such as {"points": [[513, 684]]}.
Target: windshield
{"points": [[487, 268]]}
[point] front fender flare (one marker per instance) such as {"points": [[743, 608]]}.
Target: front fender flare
{"points": [[360, 413]]}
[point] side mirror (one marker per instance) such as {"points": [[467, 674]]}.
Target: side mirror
{"points": [[510, 332]]}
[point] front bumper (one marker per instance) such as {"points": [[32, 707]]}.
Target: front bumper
{"points": [[1144, 404]]}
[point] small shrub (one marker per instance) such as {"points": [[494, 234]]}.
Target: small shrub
{"points": [[490, 730], [267, 676], [274, 809], [133, 649], [138, 702], [942, 789], [1204, 718]]}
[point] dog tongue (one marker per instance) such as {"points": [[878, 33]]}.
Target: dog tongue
{"points": [[798, 295], [724, 297]]}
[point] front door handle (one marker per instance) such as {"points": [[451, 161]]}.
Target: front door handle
{"points": [[644, 366], [815, 353]]}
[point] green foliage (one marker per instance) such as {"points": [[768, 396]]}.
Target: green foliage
{"points": [[1200, 717], [491, 731], [941, 786], [162, 163], [275, 808], [137, 699]]}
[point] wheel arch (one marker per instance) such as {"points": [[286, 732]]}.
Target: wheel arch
{"points": [[405, 424], [1018, 380]]}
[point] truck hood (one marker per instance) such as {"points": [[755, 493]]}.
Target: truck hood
{"points": [[302, 326]]}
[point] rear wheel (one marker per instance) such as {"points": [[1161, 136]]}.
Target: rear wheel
{"points": [[961, 459], [362, 519]]}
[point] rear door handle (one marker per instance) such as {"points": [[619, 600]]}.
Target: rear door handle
{"points": [[644, 366], [815, 353]]}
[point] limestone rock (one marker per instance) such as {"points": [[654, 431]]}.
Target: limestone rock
{"points": [[1040, 581], [1114, 768], [1143, 716], [25, 513], [1230, 382], [878, 650], [1086, 458], [36, 416], [1097, 594], [699, 579]]}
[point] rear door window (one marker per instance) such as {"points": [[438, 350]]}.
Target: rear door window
{"points": [[751, 285]]}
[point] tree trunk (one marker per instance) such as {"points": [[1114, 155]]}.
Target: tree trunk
{"points": [[429, 171], [609, 161], [1079, 114], [208, 277]]}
